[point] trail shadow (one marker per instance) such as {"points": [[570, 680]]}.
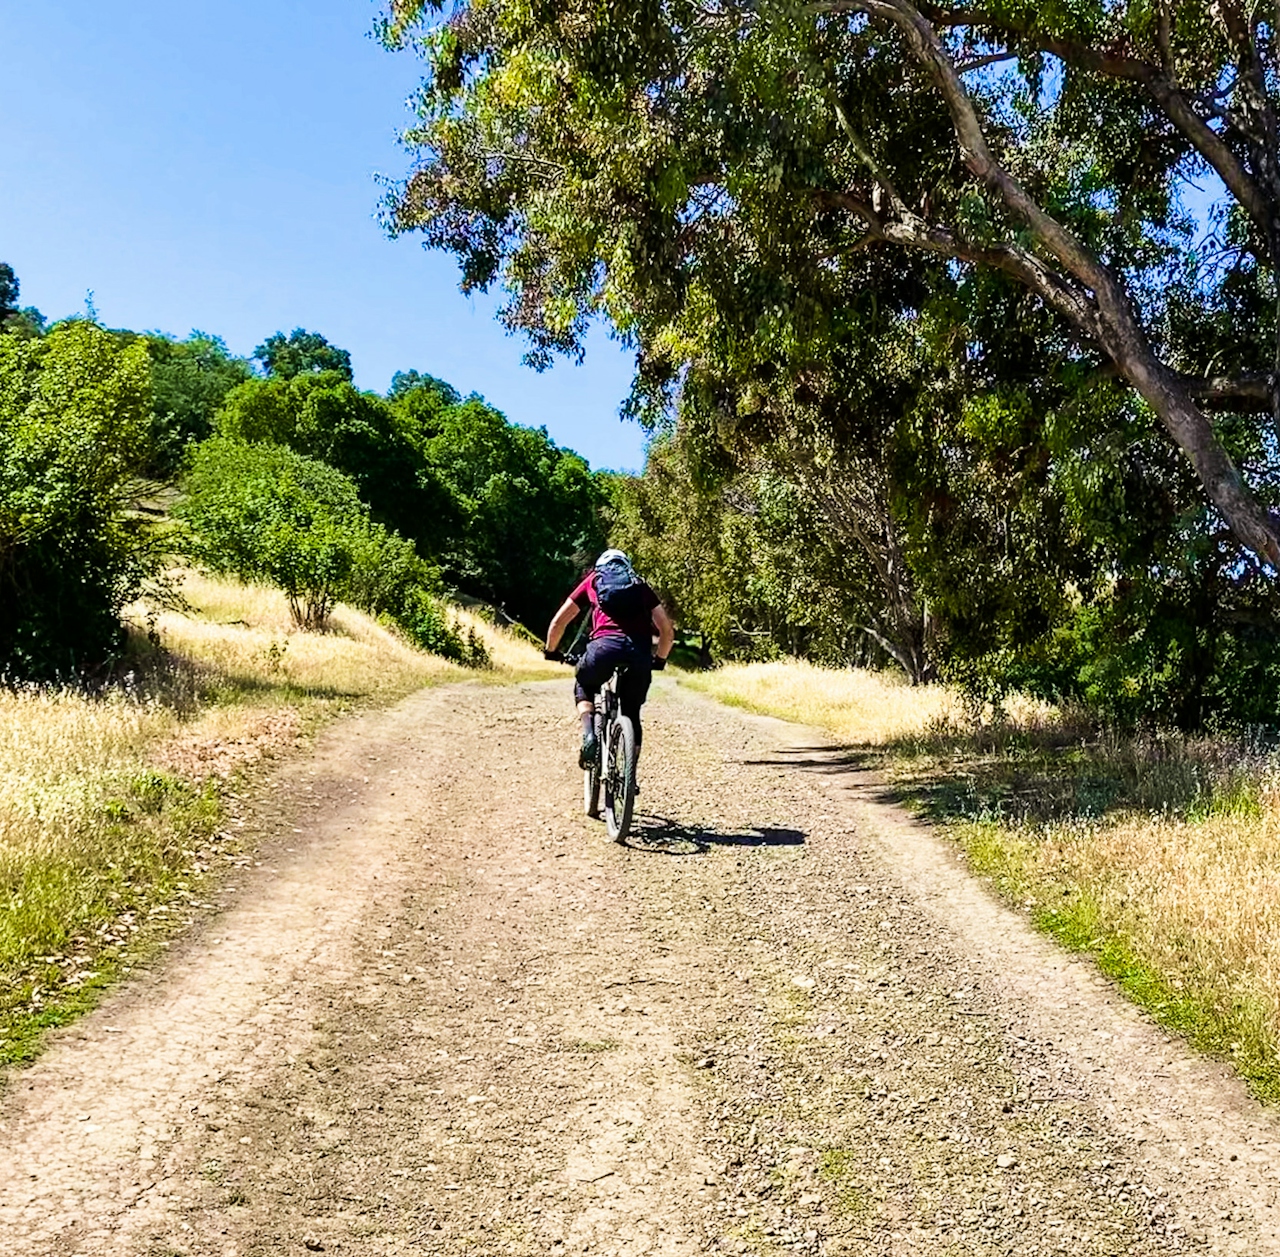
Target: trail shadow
{"points": [[1031, 775], [832, 759], [661, 835]]}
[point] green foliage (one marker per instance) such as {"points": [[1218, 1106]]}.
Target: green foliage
{"points": [[424, 621], [266, 513], [404, 383], [9, 290], [771, 208], [285, 357], [75, 425], [323, 415], [749, 560], [14, 321], [509, 517], [189, 381], [525, 514]]}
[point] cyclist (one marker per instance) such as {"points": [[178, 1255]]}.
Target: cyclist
{"points": [[625, 612]]}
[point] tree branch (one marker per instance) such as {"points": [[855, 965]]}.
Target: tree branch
{"points": [[1157, 81], [1244, 393], [1106, 314]]}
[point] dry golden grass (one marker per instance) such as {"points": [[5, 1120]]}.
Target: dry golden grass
{"points": [[513, 657], [244, 634], [854, 704], [62, 757], [242, 641], [1161, 856], [1184, 912]]}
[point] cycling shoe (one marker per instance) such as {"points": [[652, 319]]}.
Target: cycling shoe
{"points": [[590, 750]]}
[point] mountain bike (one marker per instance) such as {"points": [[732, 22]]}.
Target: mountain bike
{"points": [[613, 770]]}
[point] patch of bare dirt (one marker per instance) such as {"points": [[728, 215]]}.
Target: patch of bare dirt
{"points": [[256, 734], [443, 1014]]}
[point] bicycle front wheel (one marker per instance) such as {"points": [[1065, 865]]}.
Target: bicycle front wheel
{"points": [[620, 778]]}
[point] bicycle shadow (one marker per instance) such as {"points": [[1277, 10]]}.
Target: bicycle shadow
{"points": [[661, 835]]}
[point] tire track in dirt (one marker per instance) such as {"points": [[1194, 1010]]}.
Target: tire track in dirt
{"points": [[445, 1015]]}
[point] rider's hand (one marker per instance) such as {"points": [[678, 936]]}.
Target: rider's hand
{"points": [[556, 656], [658, 664]]}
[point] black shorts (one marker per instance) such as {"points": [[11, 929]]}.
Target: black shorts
{"points": [[602, 658]]}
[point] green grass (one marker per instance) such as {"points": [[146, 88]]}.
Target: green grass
{"points": [[1237, 1028], [839, 1167], [76, 916]]}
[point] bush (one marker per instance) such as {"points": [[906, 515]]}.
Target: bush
{"points": [[422, 619], [262, 512], [265, 512], [387, 569], [75, 419]]}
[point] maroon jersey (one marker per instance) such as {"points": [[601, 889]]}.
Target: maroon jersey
{"points": [[638, 628]]}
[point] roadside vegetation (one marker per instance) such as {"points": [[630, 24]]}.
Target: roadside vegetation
{"points": [[202, 559], [1158, 854]]}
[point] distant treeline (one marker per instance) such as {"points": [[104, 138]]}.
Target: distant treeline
{"points": [[285, 471]]}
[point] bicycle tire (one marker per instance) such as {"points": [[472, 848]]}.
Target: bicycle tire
{"points": [[620, 778], [591, 779]]}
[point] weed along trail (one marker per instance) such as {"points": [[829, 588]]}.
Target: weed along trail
{"points": [[443, 1014]]}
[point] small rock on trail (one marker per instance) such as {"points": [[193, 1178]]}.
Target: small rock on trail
{"points": [[455, 1019]]}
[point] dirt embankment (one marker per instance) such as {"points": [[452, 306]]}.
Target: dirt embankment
{"points": [[444, 1015]]}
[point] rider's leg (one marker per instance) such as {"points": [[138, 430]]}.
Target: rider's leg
{"points": [[633, 689], [592, 673], [587, 714]]}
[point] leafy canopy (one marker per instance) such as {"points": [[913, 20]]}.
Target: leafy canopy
{"points": [[732, 186], [264, 512], [301, 351], [190, 379], [323, 415]]}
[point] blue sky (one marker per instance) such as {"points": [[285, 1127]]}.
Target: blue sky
{"points": [[213, 166]]}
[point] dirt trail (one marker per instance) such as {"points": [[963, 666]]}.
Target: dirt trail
{"points": [[444, 1015]]}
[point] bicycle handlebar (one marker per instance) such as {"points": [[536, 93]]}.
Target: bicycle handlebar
{"points": [[573, 660]]}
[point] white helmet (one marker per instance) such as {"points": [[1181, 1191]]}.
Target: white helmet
{"points": [[612, 556]]}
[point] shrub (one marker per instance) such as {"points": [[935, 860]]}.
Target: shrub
{"points": [[262, 512], [265, 512], [75, 419], [423, 620]]}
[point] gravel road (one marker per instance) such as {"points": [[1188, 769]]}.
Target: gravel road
{"points": [[443, 1014]]}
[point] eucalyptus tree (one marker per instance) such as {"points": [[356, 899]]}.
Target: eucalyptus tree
{"points": [[733, 183]]}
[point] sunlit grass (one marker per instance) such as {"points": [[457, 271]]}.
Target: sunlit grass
{"points": [[854, 704]]}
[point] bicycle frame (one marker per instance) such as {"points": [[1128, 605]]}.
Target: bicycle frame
{"points": [[613, 771]]}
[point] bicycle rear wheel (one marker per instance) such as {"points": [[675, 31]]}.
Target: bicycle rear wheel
{"points": [[591, 779], [620, 778]]}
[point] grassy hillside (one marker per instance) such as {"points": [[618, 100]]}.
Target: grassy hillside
{"points": [[111, 806], [1159, 855]]}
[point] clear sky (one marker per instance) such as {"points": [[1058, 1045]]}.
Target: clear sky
{"points": [[213, 166]]}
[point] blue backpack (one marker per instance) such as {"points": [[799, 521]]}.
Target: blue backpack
{"points": [[620, 592]]}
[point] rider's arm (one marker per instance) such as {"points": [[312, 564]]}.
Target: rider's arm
{"points": [[666, 631], [564, 617]]}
